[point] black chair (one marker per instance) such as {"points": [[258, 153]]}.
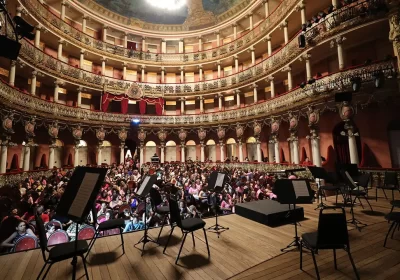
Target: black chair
{"points": [[59, 252], [188, 225], [334, 185], [394, 203], [354, 190], [156, 201], [390, 182], [106, 225], [332, 234], [393, 217]]}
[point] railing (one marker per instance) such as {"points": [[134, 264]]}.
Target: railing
{"points": [[322, 88], [377, 175], [64, 30], [20, 176], [332, 25]]}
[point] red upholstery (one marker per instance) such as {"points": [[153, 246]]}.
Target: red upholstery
{"points": [[123, 207], [57, 237], [86, 233], [25, 243], [57, 224]]}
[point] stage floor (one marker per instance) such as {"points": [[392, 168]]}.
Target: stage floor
{"points": [[248, 250]]}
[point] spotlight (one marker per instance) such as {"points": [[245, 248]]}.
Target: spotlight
{"points": [[379, 79], [303, 85], [135, 121], [355, 83], [311, 81], [23, 28]]}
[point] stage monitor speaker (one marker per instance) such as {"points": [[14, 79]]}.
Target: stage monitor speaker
{"points": [[9, 48], [343, 96], [302, 41]]}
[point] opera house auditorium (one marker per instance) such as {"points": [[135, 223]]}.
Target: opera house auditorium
{"points": [[199, 139]]}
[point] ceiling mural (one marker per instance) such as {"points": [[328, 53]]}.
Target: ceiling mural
{"points": [[199, 13]]}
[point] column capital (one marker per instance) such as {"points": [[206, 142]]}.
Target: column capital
{"points": [[80, 89], [82, 51], [216, 32], [20, 9], [143, 38], [182, 40], [142, 67], [237, 91], [254, 86], [125, 34], [300, 6], [64, 3], [337, 41], [265, 2], [201, 97], [61, 42], [236, 57], [234, 24], [249, 15], [85, 17], [39, 27], [269, 79], [199, 37], [267, 38], [284, 24], [218, 62], [200, 66], [105, 27], [220, 95], [163, 40], [182, 68], [103, 59], [305, 57], [124, 64], [58, 83], [286, 69], [162, 68], [182, 99], [13, 63], [34, 73]]}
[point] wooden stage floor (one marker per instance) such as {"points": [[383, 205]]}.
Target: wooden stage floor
{"points": [[247, 251]]}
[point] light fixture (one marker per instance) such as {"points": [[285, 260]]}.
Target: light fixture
{"points": [[355, 83], [135, 121], [311, 81], [167, 4], [379, 79], [303, 85], [24, 29]]}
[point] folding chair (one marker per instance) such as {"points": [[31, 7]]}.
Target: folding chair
{"points": [[390, 182], [156, 201]]}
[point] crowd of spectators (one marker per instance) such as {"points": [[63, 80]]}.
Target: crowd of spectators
{"points": [[117, 197]]}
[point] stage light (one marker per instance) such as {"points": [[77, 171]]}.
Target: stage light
{"points": [[136, 121], [311, 81], [355, 83], [303, 85], [379, 79], [24, 29]]}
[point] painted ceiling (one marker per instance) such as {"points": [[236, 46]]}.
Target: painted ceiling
{"points": [[144, 11]]}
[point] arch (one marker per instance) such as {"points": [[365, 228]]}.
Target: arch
{"points": [[210, 142], [190, 143], [150, 144], [230, 141], [251, 139], [231, 148], [251, 148], [106, 143], [69, 162], [190, 150], [303, 154], [170, 143], [59, 143], [82, 143]]}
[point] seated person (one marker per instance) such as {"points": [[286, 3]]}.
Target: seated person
{"points": [[21, 230]]}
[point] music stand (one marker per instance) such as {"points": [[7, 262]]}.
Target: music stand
{"points": [[78, 199], [216, 184], [143, 192], [319, 174], [294, 192]]}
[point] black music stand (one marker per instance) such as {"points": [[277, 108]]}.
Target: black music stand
{"points": [[216, 184], [78, 198], [294, 192], [143, 192], [319, 173]]}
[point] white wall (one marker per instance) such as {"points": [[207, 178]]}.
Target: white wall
{"points": [[170, 153], [211, 153]]}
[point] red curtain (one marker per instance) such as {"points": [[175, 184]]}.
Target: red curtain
{"points": [[105, 101], [158, 102], [142, 107], [124, 105]]}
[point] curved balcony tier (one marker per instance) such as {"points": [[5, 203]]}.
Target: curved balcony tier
{"points": [[76, 37], [320, 92], [345, 22]]}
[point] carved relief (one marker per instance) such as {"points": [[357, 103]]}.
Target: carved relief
{"points": [[122, 134], [142, 135], [313, 116], [30, 128], [162, 134], [53, 130], [346, 111], [77, 132], [257, 128], [274, 126], [100, 134], [202, 133], [239, 131], [221, 132], [7, 123]]}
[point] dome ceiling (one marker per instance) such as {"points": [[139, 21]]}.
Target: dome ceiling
{"points": [[193, 13]]}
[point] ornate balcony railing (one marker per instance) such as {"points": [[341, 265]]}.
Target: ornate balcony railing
{"points": [[322, 88], [333, 25], [20, 176], [77, 37]]}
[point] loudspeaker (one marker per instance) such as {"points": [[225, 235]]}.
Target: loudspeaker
{"points": [[302, 41], [343, 96], [9, 48]]}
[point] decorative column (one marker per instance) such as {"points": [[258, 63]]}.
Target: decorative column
{"points": [[57, 84], [202, 133], [182, 134], [253, 55], [257, 132], [284, 25], [307, 57], [236, 64], [302, 9], [234, 31], [141, 136], [63, 6], [124, 70], [37, 35], [100, 135], [237, 98], [239, 134], [347, 114], [218, 38], [269, 45], [221, 136], [122, 135], [313, 119], [270, 79], [219, 69], [33, 82], [250, 16], [30, 133], [144, 44], [53, 130], [200, 67], [60, 49], [79, 97], [105, 27], [84, 23], [255, 95], [81, 58], [293, 139], [182, 74], [125, 40], [182, 100], [162, 152], [181, 46], [289, 77], [162, 74], [201, 100], [266, 8], [338, 42], [274, 139], [103, 66], [394, 33], [220, 96], [142, 77], [13, 67], [200, 43], [77, 133], [7, 124]]}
